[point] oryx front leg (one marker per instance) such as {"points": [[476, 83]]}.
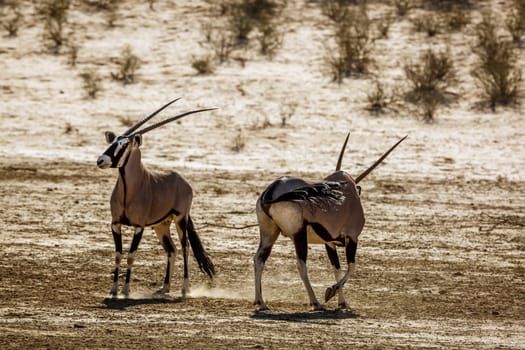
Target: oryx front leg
{"points": [[334, 260], [350, 249], [131, 257], [301, 249], [163, 234], [117, 237]]}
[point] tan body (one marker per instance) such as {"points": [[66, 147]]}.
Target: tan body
{"points": [[328, 212], [143, 198]]}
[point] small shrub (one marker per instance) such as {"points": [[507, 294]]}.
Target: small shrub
{"points": [[456, 19], [91, 83], [429, 80], [287, 112], [270, 40], [244, 16], [73, 49], [496, 69], [203, 65], [238, 143], [402, 7], [383, 26], [126, 121], [516, 21], [55, 16], [128, 64], [11, 21], [353, 44], [428, 23], [378, 98]]}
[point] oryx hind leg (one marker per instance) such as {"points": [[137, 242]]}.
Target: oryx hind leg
{"points": [[334, 260], [182, 230], [269, 232], [350, 250], [300, 241], [164, 236]]}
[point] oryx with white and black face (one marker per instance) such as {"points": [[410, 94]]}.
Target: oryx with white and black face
{"points": [[328, 212], [143, 198]]}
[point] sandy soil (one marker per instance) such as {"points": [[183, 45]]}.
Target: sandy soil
{"points": [[441, 261]]}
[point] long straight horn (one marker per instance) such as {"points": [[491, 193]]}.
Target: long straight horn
{"points": [[166, 121], [369, 170], [140, 123], [340, 159]]}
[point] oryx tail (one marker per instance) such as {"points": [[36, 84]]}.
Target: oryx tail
{"points": [[377, 162], [202, 257]]}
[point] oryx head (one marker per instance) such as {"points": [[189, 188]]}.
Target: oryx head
{"points": [[120, 146]]}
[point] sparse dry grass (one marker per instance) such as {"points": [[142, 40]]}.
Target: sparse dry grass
{"points": [[353, 44], [128, 65], [496, 71], [54, 13], [429, 79]]}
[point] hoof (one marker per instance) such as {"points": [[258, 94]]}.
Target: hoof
{"points": [[330, 293], [261, 306], [343, 306], [162, 291], [318, 307]]}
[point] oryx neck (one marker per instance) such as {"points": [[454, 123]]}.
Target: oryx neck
{"points": [[132, 175]]}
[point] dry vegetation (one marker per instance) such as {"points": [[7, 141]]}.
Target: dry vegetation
{"points": [[441, 259]]}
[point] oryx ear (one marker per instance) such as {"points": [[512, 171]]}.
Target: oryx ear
{"points": [[110, 136], [137, 139]]}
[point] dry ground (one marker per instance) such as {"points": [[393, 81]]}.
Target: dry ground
{"points": [[441, 262]]}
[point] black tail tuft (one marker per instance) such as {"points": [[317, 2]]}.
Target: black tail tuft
{"points": [[205, 263]]}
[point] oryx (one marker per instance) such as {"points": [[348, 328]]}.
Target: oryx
{"points": [[143, 198], [328, 212]]}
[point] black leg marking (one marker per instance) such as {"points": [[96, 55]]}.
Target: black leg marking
{"points": [[322, 232], [301, 244], [168, 272], [263, 253], [168, 247], [351, 249], [136, 240], [170, 250], [117, 237], [115, 274], [332, 255], [128, 276], [184, 243]]}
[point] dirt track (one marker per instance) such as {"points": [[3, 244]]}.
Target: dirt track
{"points": [[435, 269]]}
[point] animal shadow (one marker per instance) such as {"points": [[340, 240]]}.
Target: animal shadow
{"points": [[125, 303], [305, 316]]}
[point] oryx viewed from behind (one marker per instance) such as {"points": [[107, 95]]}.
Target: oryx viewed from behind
{"points": [[328, 212], [143, 198]]}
